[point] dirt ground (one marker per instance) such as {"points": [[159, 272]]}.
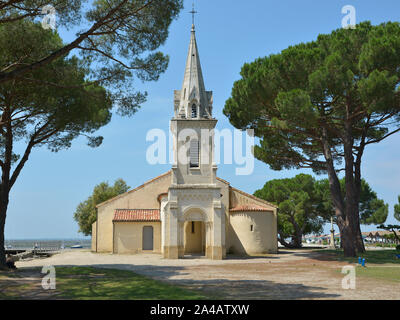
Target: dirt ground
{"points": [[300, 274]]}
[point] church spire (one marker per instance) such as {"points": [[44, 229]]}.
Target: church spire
{"points": [[193, 101]]}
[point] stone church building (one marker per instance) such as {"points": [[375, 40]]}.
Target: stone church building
{"points": [[188, 210]]}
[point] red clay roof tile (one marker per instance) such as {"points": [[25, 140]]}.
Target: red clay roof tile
{"points": [[249, 207], [136, 215]]}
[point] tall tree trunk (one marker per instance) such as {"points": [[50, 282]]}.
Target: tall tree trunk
{"points": [[297, 241], [5, 185], [3, 213], [343, 221], [352, 189], [347, 240], [2, 249], [359, 240], [345, 225], [8, 180], [298, 233], [283, 242], [357, 180]]}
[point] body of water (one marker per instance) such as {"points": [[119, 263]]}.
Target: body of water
{"points": [[27, 244]]}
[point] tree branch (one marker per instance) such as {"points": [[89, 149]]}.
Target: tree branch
{"points": [[109, 17], [28, 150], [382, 138]]}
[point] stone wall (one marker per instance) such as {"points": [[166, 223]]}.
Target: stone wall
{"points": [[240, 238], [143, 197], [94, 236], [253, 233], [128, 237]]}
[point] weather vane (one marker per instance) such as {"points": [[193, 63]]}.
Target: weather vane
{"points": [[193, 12]]}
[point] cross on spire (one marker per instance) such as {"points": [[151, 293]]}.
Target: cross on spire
{"points": [[193, 92], [193, 12]]}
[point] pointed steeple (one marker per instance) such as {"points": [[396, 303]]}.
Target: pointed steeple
{"points": [[193, 101]]}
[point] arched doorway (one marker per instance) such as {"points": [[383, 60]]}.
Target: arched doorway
{"points": [[194, 238], [194, 231], [148, 239]]}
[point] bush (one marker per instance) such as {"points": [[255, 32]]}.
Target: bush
{"points": [[398, 247]]}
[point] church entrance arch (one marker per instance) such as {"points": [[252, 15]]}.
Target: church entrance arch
{"points": [[194, 232]]}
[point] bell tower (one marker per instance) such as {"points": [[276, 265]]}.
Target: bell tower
{"points": [[193, 196], [193, 125]]}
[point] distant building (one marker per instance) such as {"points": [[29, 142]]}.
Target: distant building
{"points": [[370, 236], [378, 236]]}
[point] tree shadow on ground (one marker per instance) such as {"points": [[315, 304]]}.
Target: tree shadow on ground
{"points": [[239, 257], [216, 288], [308, 253], [225, 289], [250, 257], [256, 289], [316, 255]]}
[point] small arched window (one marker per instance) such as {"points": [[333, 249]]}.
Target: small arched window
{"points": [[194, 111]]}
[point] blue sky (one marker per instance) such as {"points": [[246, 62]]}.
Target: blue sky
{"points": [[229, 33]]}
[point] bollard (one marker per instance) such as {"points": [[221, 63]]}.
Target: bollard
{"points": [[359, 260], [363, 262]]}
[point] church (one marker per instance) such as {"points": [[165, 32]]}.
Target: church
{"points": [[187, 210]]}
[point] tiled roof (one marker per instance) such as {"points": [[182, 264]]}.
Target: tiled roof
{"points": [[376, 233], [249, 207], [254, 197], [223, 181], [133, 215]]}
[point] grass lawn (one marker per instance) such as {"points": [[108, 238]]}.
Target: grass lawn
{"points": [[371, 256], [380, 264], [91, 283], [380, 272], [13, 291]]}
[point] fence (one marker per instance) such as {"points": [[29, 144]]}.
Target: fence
{"points": [[46, 247]]}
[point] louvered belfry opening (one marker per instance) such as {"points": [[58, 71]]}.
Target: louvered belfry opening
{"points": [[194, 111], [194, 153]]}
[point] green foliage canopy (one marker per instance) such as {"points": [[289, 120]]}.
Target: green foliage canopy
{"points": [[49, 97], [397, 210], [301, 208], [36, 114], [117, 41], [394, 228], [291, 97], [318, 105], [372, 210], [305, 204], [85, 213]]}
